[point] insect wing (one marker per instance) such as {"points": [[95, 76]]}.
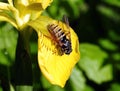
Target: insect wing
{"points": [[65, 20]]}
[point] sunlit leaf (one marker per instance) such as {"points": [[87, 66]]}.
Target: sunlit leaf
{"points": [[45, 83], [105, 74], [92, 58], [88, 88], [77, 80], [24, 88], [11, 88]]}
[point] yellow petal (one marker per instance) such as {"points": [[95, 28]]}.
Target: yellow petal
{"points": [[7, 18], [45, 3], [6, 14], [21, 2], [10, 2], [26, 10], [40, 24], [19, 19], [4, 6], [55, 67], [10, 14], [35, 10], [37, 6]]}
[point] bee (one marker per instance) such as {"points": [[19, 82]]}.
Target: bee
{"points": [[61, 38]]}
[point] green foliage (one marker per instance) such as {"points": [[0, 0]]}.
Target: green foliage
{"points": [[77, 80], [113, 2], [88, 88], [92, 58], [115, 87], [24, 88], [65, 7], [114, 36], [1, 89], [109, 12], [116, 56], [107, 44], [48, 87], [8, 40]]}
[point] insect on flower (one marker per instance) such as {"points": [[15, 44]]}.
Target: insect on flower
{"points": [[61, 38]]}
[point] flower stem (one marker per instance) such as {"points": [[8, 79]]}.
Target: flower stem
{"points": [[23, 66]]}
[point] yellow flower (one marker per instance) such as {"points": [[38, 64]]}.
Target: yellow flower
{"points": [[55, 67], [19, 12]]}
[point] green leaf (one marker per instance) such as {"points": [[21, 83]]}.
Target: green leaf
{"points": [[114, 87], [3, 59], [45, 82], [47, 85], [109, 12], [113, 2], [11, 88], [116, 56], [75, 5], [88, 88], [77, 80], [114, 35], [106, 73], [66, 7], [56, 88], [8, 40], [1, 88], [107, 44], [33, 47], [24, 88], [92, 58]]}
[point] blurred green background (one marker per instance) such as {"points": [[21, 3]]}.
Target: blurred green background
{"points": [[97, 24]]}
